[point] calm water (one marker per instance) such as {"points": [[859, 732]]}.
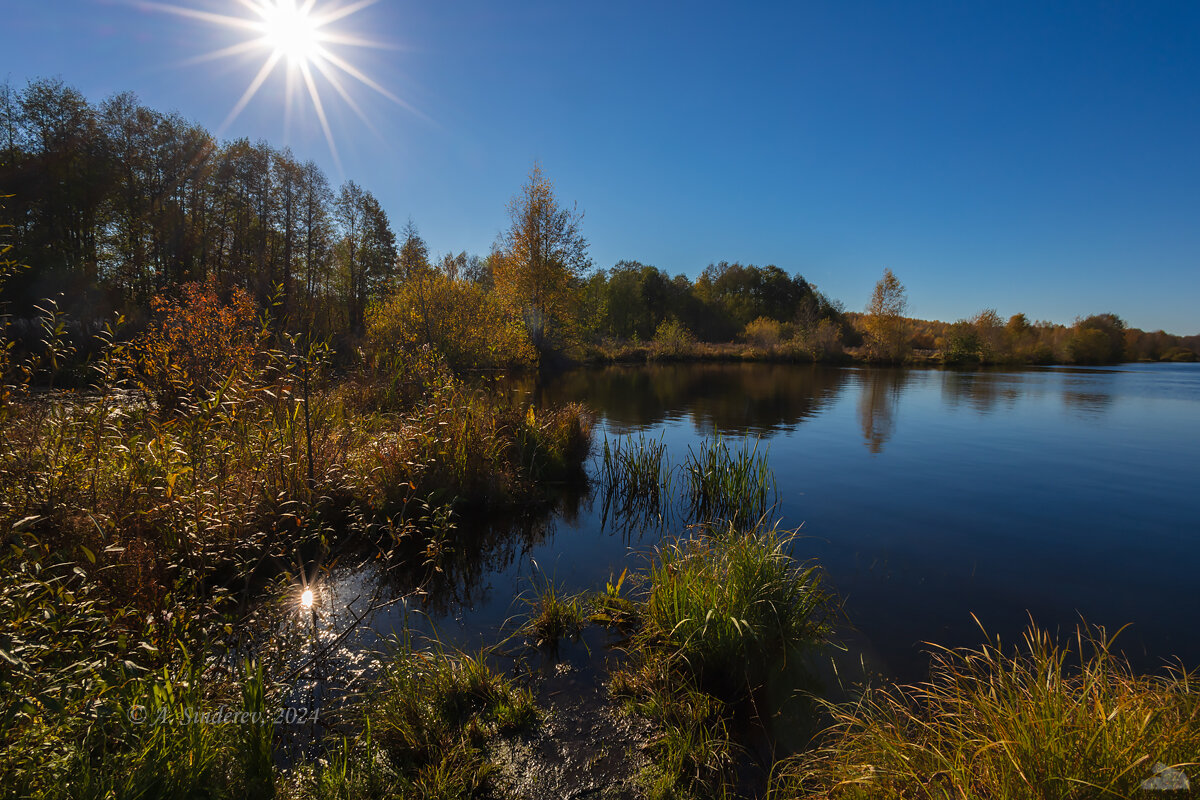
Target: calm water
{"points": [[928, 496]]}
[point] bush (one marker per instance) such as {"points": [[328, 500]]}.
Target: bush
{"points": [[672, 339], [764, 332], [196, 342]]}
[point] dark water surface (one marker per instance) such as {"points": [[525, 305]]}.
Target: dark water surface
{"points": [[927, 495]]}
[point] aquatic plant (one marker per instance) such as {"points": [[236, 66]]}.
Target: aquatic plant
{"points": [[552, 614], [729, 601], [731, 484], [636, 479], [1050, 719], [721, 612], [425, 729]]}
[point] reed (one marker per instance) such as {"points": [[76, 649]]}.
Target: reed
{"points": [[728, 602], [721, 613], [636, 479], [635, 468], [731, 484], [553, 615]]}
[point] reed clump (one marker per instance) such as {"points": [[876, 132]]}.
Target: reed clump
{"points": [[729, 601], [733, 484], [553, 615], [719, 613], [636, 481], [1050, 719]]}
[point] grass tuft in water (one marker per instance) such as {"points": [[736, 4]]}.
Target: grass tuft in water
{"points": [[427, 726], [728, 600], [721, 612], [732, 484], [636, 479], [553, 615], [1050, 720]]}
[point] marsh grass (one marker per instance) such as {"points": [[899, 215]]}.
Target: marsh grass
{"points": [[720, 612], [729, 601], [466, 446], [552, 615], [635, 469], [1050, 719], [636, 479], [426, 727], [731, 484], [141, 514]]}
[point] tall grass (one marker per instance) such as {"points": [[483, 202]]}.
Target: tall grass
{"points": [[636, 479], [553, 615], [731, 484], [729, 603], [721, 614], [635, 467], [1051, 719], [467, 445], [139, 517]]}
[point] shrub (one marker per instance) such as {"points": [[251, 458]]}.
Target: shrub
{"points": [[764, 332], [672, 339], [197, 341]]}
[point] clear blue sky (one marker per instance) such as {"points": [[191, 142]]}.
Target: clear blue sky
{"points": [[1036, 157]]}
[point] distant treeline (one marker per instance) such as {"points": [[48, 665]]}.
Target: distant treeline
{"points": [[109, 206], [1098, 339]]}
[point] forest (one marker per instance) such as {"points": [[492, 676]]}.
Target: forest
{"points": [[109, 207]]}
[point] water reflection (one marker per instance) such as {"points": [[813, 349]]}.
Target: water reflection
{"points": [[877, 404], [1088, 404], [981, 391], [1027, 492], [729, 399]]}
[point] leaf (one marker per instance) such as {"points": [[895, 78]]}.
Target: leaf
{"points": [[88, 554]]}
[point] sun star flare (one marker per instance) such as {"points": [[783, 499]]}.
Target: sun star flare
{"points": [[298, 36]]}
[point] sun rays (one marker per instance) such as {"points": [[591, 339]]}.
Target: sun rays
{"points": [[301, 38]]}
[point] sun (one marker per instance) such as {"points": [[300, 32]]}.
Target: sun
{"points": [[300, 37], [291, 30]]}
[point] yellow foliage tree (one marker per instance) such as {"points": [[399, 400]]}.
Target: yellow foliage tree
{"points": [[887, 328], [459, 320], [540, 263]]}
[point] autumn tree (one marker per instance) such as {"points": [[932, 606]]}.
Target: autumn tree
{"points": [[543, 256], [887, 328]]}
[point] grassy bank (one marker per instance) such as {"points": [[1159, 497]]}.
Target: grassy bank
{"points": [[1046, 719]]}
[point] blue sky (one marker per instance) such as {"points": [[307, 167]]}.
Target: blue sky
{"points": [[1040, 157]]}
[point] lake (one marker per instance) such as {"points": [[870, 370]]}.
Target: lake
{"points": [[928, 496]]}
